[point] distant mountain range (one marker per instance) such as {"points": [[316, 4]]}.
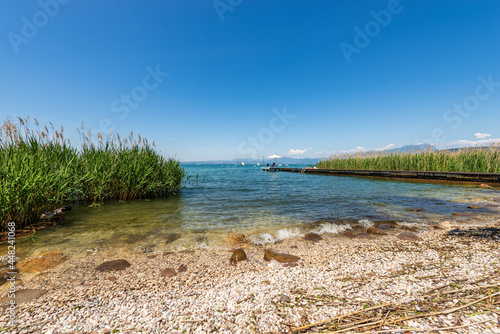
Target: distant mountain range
{"points": [[284, 161], [300, 161], [412, 148]]}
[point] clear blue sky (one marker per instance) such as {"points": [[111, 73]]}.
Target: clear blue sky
{"points": [[352, 73]]}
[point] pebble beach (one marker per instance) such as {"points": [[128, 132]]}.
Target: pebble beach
{"points": [[202, 291]]}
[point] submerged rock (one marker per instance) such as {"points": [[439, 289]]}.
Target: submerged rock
{"points": [[172, 237], [234, 239], [280, 257], [373, 230], [485, 186], [312, 237], [473, 207], [168, 272], [384, 226], [410, 228], [348, 234], [238, 255], [391, 223], [201, 240], [408, 236], [41, 262], [147, 248], [113, 265], [24, 296]]}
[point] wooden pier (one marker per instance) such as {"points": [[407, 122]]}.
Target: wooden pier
{"points": [[397, 174]]}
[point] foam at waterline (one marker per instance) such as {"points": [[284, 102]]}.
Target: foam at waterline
{"points": [[285, 233], [365, 223], [408, 224], [331, 228]]}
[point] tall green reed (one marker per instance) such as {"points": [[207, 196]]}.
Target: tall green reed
{"points": [[472, 159], [40, 170]]}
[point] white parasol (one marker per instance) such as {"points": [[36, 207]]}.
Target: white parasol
{"points": [[274, 156]]}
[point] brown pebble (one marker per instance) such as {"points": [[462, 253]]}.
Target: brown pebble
{"points": [[417, 210], [168, 272], [238, 255], [113, 265], [472, 207], [182, 268], [485, 186], [280, 257], [112, 278], [152, 256]]}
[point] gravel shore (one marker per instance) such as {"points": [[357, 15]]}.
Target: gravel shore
{"points": [[200, 291]]}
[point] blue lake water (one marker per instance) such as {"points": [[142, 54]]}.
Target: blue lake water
{"points": [[265, 206]]}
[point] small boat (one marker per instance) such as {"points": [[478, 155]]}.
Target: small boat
{"points": [[258, 163], [242, 163]]}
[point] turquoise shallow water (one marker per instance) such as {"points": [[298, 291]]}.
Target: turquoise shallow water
{"points": [[262, 205]]}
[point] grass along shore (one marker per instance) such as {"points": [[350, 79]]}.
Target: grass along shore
{"points": [[40, 170], [476, 160]]}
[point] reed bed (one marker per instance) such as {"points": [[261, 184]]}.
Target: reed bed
{"points": [[40, 170], [472, 159]]}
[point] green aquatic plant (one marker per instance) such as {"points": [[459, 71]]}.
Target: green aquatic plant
{"points": [[472, 159], [40, 170]]}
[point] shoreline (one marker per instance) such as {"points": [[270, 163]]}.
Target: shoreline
{"points": [[408, 175], [202, 292]]}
